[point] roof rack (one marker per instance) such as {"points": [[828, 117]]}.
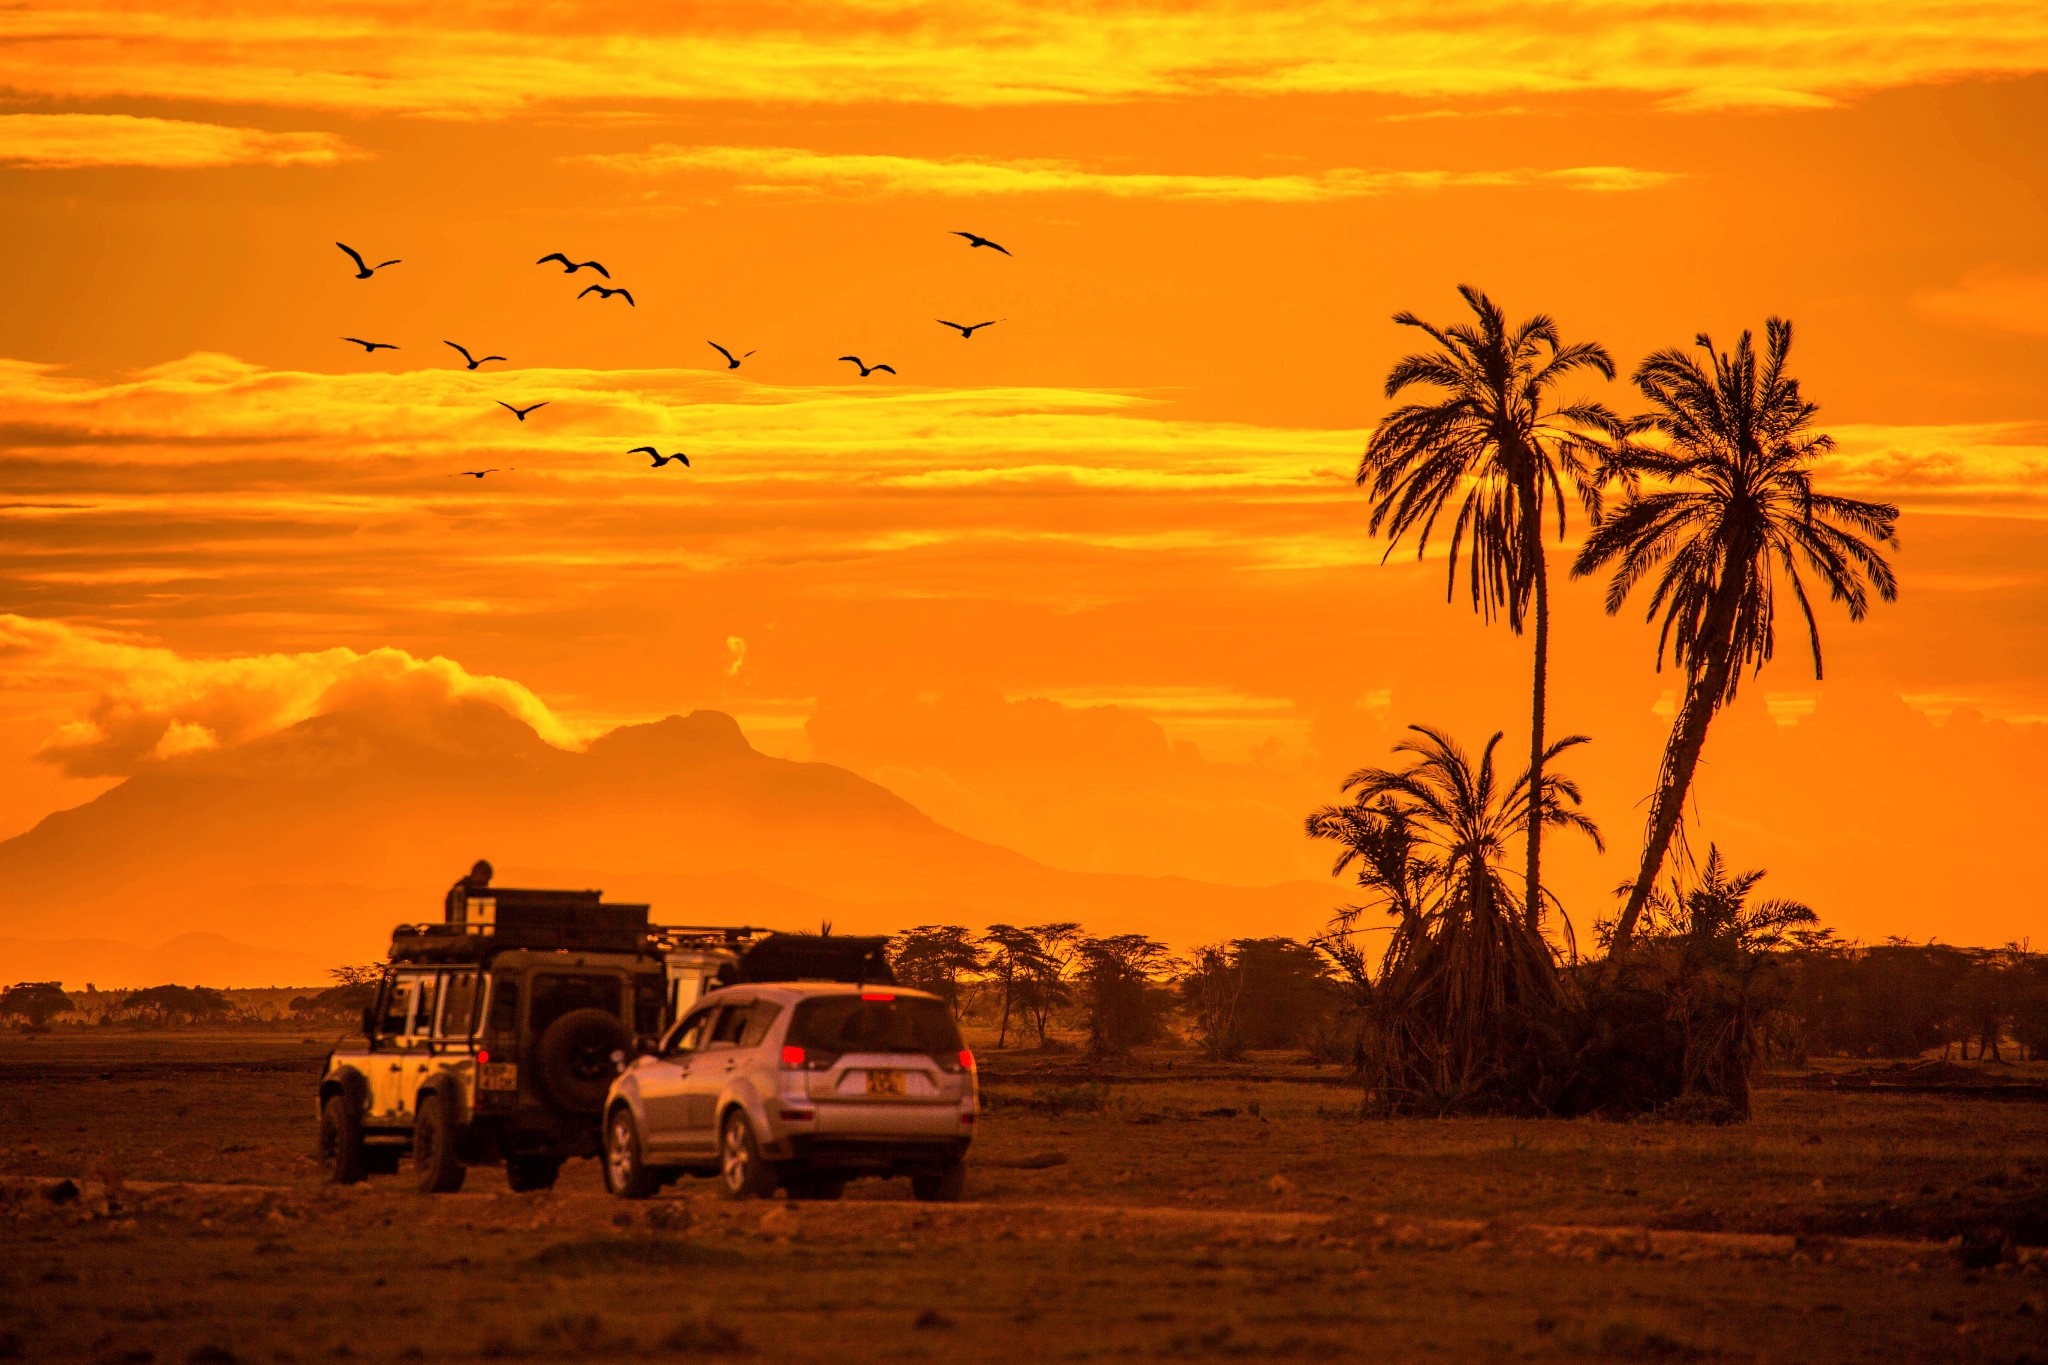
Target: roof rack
{"points": [[514, 917]]}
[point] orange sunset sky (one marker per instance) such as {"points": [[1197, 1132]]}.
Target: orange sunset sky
{"points": [[1094, 584]]}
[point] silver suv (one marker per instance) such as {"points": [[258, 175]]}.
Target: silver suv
{"points": [[800, 1085]]}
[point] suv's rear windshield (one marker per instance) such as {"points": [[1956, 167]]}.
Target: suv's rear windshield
{"points": [[853, 1023]]}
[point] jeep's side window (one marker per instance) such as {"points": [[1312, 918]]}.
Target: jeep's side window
{"points": [[504, 1017], [426, 995], [760, 1019], [689, 1035], [458, 1004], [397, 1006]]}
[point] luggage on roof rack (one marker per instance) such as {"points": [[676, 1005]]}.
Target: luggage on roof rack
{"points": [[818, 957], [512, 917]]}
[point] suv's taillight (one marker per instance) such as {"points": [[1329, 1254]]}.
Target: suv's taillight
{"points": [[966, 1060], [795, 1058], [792, 1058]]}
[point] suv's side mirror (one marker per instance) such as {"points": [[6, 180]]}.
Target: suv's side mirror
{"points": [[369, 1021]]}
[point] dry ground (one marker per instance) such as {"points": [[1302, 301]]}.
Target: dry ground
{"points": [[1191, 1212]]}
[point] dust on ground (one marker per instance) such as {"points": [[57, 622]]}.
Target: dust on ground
{"points": [[1164, 1209]]}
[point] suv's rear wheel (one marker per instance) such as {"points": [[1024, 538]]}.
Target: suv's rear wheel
{"points": [[941, 1187], [625, 1167], [434, 1157], [524, 1173], [742, 1171], [342, 1159]]}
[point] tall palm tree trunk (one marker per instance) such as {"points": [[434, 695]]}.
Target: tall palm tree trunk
{"points": [[1703, 694], [1532, 910]]}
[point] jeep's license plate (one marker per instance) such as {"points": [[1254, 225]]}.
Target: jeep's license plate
{"points": [[498, 1076], [886, 1083]]}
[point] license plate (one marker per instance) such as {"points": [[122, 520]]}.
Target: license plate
{"points": [[498, 1076], [885, 1083]]}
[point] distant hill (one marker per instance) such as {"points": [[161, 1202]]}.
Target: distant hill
{"points": [[307, 845]]}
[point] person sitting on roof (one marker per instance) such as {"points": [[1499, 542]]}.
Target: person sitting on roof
{"points": [[472, 883]]}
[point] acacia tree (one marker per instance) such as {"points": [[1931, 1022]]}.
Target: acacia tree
{"points": [[1121, 986], [1498, 443], [1720, 509], [932, 957], [35, 1003], [1048, 983], [1016, 959]]}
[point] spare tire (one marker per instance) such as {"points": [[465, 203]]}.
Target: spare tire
{"points": [[573, 1059]]}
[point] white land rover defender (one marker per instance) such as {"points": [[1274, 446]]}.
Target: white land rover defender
{"points": [[493, 1036]]}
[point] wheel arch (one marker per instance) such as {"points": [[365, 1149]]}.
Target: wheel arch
{"points": [[446, 1088], [347, 1082]]}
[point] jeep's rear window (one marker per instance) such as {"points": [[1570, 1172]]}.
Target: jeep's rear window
{"points": [[852, 1023], [556, 995]]}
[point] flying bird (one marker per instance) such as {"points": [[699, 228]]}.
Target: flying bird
{"points": [[659, 458], [973, 240], [603, 292], [570, 267], [520, 413], [967, 333], [730, 362], [369, 346], [479, 473], [866, 370], [363, 271], [472, 361]]}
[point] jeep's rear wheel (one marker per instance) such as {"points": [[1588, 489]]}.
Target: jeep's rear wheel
{"points": [[435, 1159], [524, 1173], [742, 1171], [626, 1173], [342, 1159], [573, 1059]]}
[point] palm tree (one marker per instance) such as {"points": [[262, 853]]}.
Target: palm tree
{"points": [[1467, 963], [1718, 910], [1732, 513], [1498, 439], [1721, 971]]}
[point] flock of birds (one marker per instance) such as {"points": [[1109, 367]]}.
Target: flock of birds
{"points": [[471, 361]]}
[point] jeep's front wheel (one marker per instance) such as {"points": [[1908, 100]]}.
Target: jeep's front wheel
{"points": [[342, 1158], [435, 1159], [742, 1171], [625, 1167]]}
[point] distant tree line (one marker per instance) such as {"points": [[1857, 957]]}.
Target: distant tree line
{"points": [[1899, 999], [1761, 966], [1126, 990], [36, 1006]]}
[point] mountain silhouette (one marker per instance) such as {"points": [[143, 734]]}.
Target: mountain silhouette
{"points": [[312, 842]]}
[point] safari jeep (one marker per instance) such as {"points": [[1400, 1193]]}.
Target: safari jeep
{"points": [[492, 1040]]}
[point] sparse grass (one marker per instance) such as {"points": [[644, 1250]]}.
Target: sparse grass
{"points": [[380, 1273]]}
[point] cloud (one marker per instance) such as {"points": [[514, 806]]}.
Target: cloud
{"points": [[146, 702], [2004, 301], [788, 168], [494, 57], [73, 141], [1995, 467]]}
